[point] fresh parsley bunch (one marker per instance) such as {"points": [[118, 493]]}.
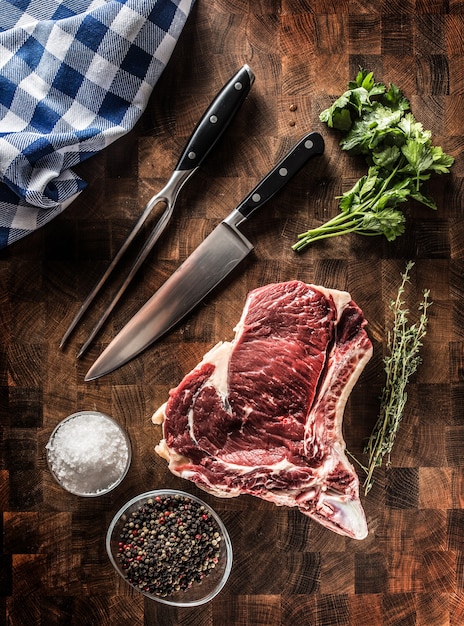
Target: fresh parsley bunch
{"points": [[376, 122]]}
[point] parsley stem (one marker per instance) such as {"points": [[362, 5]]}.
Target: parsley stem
{"points": [[299, 245]]}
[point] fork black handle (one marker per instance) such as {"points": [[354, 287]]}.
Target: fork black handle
{"points": [[216, 119]]}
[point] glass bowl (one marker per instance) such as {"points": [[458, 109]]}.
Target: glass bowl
{"points": [[166, 555], [88, 453]]}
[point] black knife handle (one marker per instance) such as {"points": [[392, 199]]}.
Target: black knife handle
{"points": [[310, 145], [216, 119]]}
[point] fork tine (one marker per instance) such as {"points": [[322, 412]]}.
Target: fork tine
{"points": [[145, 250], [90, 298]]}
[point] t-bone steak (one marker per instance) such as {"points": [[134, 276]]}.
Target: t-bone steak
{"points": [[262, 414]]}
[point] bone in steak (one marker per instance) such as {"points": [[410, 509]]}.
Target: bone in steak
{"points": [[262, 415]]}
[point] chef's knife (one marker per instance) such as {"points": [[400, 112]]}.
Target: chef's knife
{"points": [[204, 269]]}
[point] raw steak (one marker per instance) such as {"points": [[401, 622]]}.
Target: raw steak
{"points": [[262, 415]]}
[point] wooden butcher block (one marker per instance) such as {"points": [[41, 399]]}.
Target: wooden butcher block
{"points": [[287, 569]]}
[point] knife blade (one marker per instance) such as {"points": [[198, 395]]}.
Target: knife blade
{"points": [[204, 269]]}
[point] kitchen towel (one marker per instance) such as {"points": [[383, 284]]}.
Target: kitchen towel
{"points": [[75, 75]]}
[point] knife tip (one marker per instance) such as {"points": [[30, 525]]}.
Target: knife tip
{"points": [[99, 368], [93, 373]]}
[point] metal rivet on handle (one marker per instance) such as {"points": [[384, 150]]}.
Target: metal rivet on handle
{"points": [[238, 86], [283, 171], [256, 197], [308, 144], [192, 155], [213, 119]]}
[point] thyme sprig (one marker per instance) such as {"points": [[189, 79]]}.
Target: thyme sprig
{"points": [[404, 341]]}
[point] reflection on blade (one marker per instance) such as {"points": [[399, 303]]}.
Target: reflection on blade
{"points": [[205, 268]]}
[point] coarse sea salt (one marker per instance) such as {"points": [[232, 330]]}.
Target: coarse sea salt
{"points": [[88, 453]]}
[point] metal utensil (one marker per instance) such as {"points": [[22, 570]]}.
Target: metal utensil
{"points": [[207, 132], [204, 269]]}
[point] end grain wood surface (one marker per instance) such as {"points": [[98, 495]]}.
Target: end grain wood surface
{"points": [[288, 570]]}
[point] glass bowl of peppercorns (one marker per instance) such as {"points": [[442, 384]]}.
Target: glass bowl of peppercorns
{"points": [[171, 546]]}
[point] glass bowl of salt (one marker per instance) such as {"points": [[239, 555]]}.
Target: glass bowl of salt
{"points": [[88, 453]]}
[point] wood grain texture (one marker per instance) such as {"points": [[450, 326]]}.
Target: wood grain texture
{"points": [[287, 570]]}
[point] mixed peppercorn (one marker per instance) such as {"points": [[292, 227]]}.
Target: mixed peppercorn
{"points": [[168, 544]]}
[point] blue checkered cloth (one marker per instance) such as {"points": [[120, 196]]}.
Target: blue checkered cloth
{"points": [[75, 75]]}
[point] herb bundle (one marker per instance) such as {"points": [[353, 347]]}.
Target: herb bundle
{"points": [[376, 122], [404, 342]]}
